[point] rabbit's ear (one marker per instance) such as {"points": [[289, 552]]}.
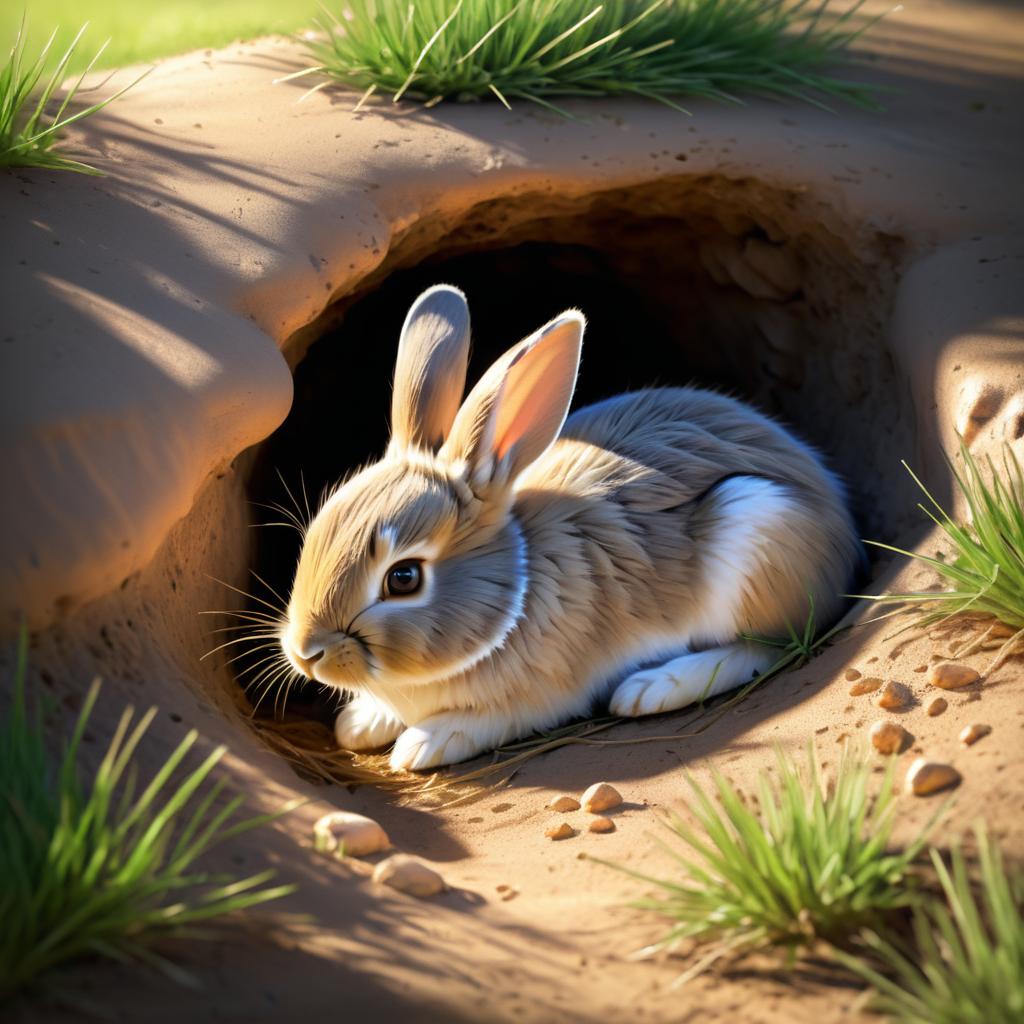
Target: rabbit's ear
{"points": [[518, 407], [430, 373]]}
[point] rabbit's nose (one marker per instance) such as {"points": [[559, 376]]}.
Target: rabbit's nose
{"points": [[308, 662]]}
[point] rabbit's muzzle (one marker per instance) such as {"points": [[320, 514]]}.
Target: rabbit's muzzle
{"points": [[339, 660]]}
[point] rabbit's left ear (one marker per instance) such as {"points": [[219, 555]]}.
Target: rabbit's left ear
{"points": [[518, 407], [430, 374]]}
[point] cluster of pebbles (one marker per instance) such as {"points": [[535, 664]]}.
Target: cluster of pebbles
{"points": [[346, 834], [598, 798], [888, 736]]}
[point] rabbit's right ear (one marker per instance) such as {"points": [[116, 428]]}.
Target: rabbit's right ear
{"points": [[519, 405], [430, 373]]}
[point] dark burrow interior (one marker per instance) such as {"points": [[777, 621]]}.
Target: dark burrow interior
{"points": [[660, 310]]}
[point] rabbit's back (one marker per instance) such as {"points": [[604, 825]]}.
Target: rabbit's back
{"points": [[695, 438], [646, 469]]}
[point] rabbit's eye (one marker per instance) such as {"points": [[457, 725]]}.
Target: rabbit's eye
{"points": [[403, 578]]}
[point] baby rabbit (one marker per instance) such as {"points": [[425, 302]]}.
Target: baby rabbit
{"points": [[502, 568]]}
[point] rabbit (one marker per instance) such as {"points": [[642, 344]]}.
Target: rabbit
{"points": [[502, 569]]}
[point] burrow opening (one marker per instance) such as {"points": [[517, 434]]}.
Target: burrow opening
{"points": [[764, 293]]}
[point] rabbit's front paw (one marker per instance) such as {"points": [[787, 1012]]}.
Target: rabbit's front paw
{"points": [[365, 725], [646, 693], [438, 740]]}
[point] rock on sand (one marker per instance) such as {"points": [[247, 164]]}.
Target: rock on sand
{"points": [[349, 834], [408, 875]]}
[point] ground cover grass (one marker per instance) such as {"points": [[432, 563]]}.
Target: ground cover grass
{"points": [[985, 573], [541, 50], [102, 866], [804, 860], [140, 32], [805, 865], [967, 959], [32, 117]]}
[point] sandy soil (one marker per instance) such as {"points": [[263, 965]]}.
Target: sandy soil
{"points": [[145, 319]]}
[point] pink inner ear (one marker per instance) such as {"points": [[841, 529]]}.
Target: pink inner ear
{"points": [[537, 391], [522, 406]]}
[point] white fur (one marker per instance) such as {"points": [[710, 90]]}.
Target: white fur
{"points": [[448, 737], [365, 723], [746, 505], [689, 678]]}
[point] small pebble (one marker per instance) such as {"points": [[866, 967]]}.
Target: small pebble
{"points": [[921, 668], [562, 831], [352, 835], [600, 797], [851, 674], [948, 675], [509, 894], [502, 887], [602, 824], [970, 734], [564, 804], [408, 875], [893, 695], [926, 777], [937, 706], [499, 808], [863, 686], [889, 737]]}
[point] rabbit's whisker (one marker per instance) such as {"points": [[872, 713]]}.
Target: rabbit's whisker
{"points": [[288, 491], [245, 593], [249, 615], [241, 640]]}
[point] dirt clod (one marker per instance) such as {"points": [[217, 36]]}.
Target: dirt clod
{"points": [[563, 804], [600, 797], [889, 737], [970, 734], [353, 835], [408, 875], [947, 675], [1001, 630], [602, 824], [863, 686], [893, 695], [937, 706], [925, 777], [561, 831]]}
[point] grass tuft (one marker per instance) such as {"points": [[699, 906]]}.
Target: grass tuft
{"points": [[986, 571], [539, 50], [968, 960], [105, 867], [803, 861], [29, 132]]}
